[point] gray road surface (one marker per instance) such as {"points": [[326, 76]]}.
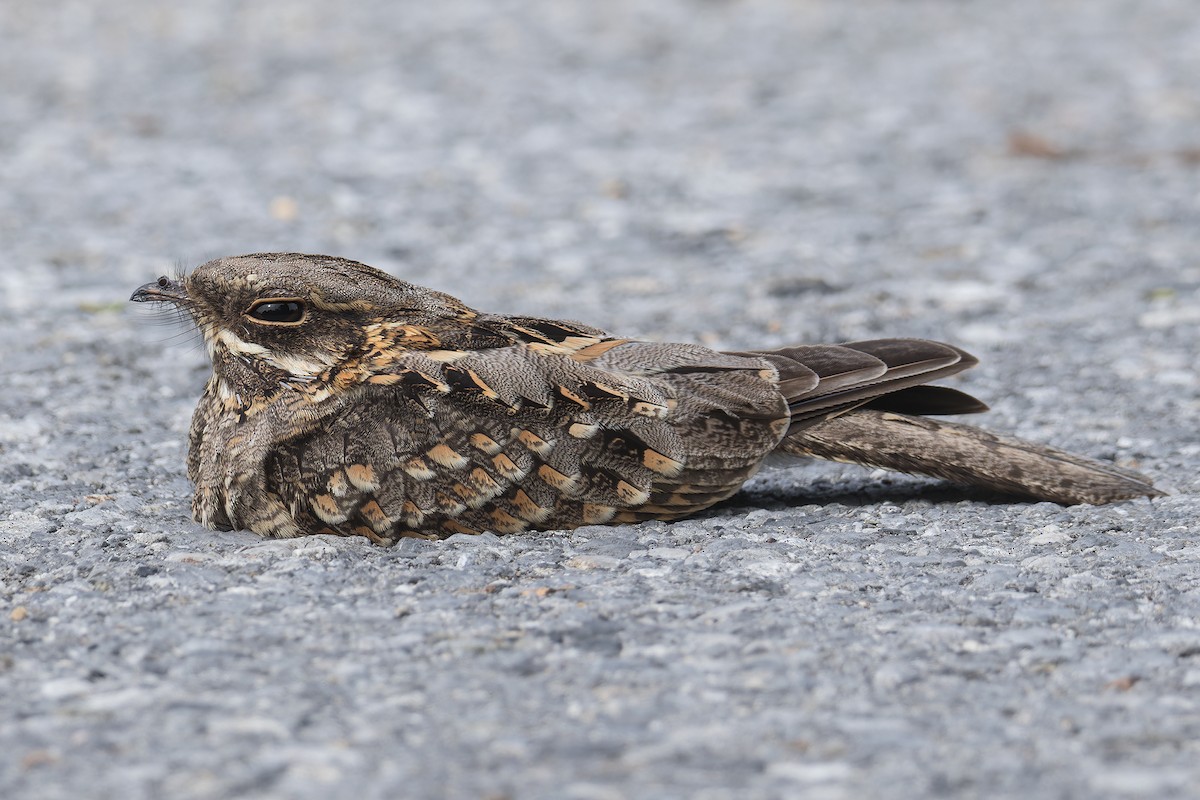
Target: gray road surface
{"points": [[1020, 178]]}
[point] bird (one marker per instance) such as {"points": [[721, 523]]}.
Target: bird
{"points": [[343, 400]]}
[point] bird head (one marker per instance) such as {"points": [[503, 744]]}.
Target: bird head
{"points": [[290, 317]]}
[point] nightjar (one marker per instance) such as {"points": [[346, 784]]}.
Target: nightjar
{"points": [[343, 400]]}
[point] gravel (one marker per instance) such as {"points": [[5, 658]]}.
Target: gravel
{"points": [[1017, 178]]}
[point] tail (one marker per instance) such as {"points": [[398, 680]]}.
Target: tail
{"points": [[859, 402], [968, 455]]}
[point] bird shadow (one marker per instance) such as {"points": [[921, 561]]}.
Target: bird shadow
{"points": [[858, 493]]}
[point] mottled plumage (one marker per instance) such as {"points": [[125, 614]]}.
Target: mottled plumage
{"points": [[343, 400]]}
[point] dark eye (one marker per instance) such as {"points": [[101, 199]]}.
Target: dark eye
{"points": [[284, 310]]}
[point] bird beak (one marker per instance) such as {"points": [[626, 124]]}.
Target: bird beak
{"points": [[163, 290]]}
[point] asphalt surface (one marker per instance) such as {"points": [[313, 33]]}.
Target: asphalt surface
{"points": [[1017, 178]]}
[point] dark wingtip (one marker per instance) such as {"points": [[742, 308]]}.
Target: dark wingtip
{"points": [[929, 400]]}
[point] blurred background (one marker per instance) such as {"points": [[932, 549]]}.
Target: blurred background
{"points": [[1019, 178], [788, 169]]}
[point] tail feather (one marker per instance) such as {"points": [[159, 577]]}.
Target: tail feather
{"points": [[865, 402], [967, 455]]}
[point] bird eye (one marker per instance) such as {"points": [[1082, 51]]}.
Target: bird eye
{"points": [[278, 310]]}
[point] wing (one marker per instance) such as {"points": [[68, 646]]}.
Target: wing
{"points": [[823, 381], [565, 427]]}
